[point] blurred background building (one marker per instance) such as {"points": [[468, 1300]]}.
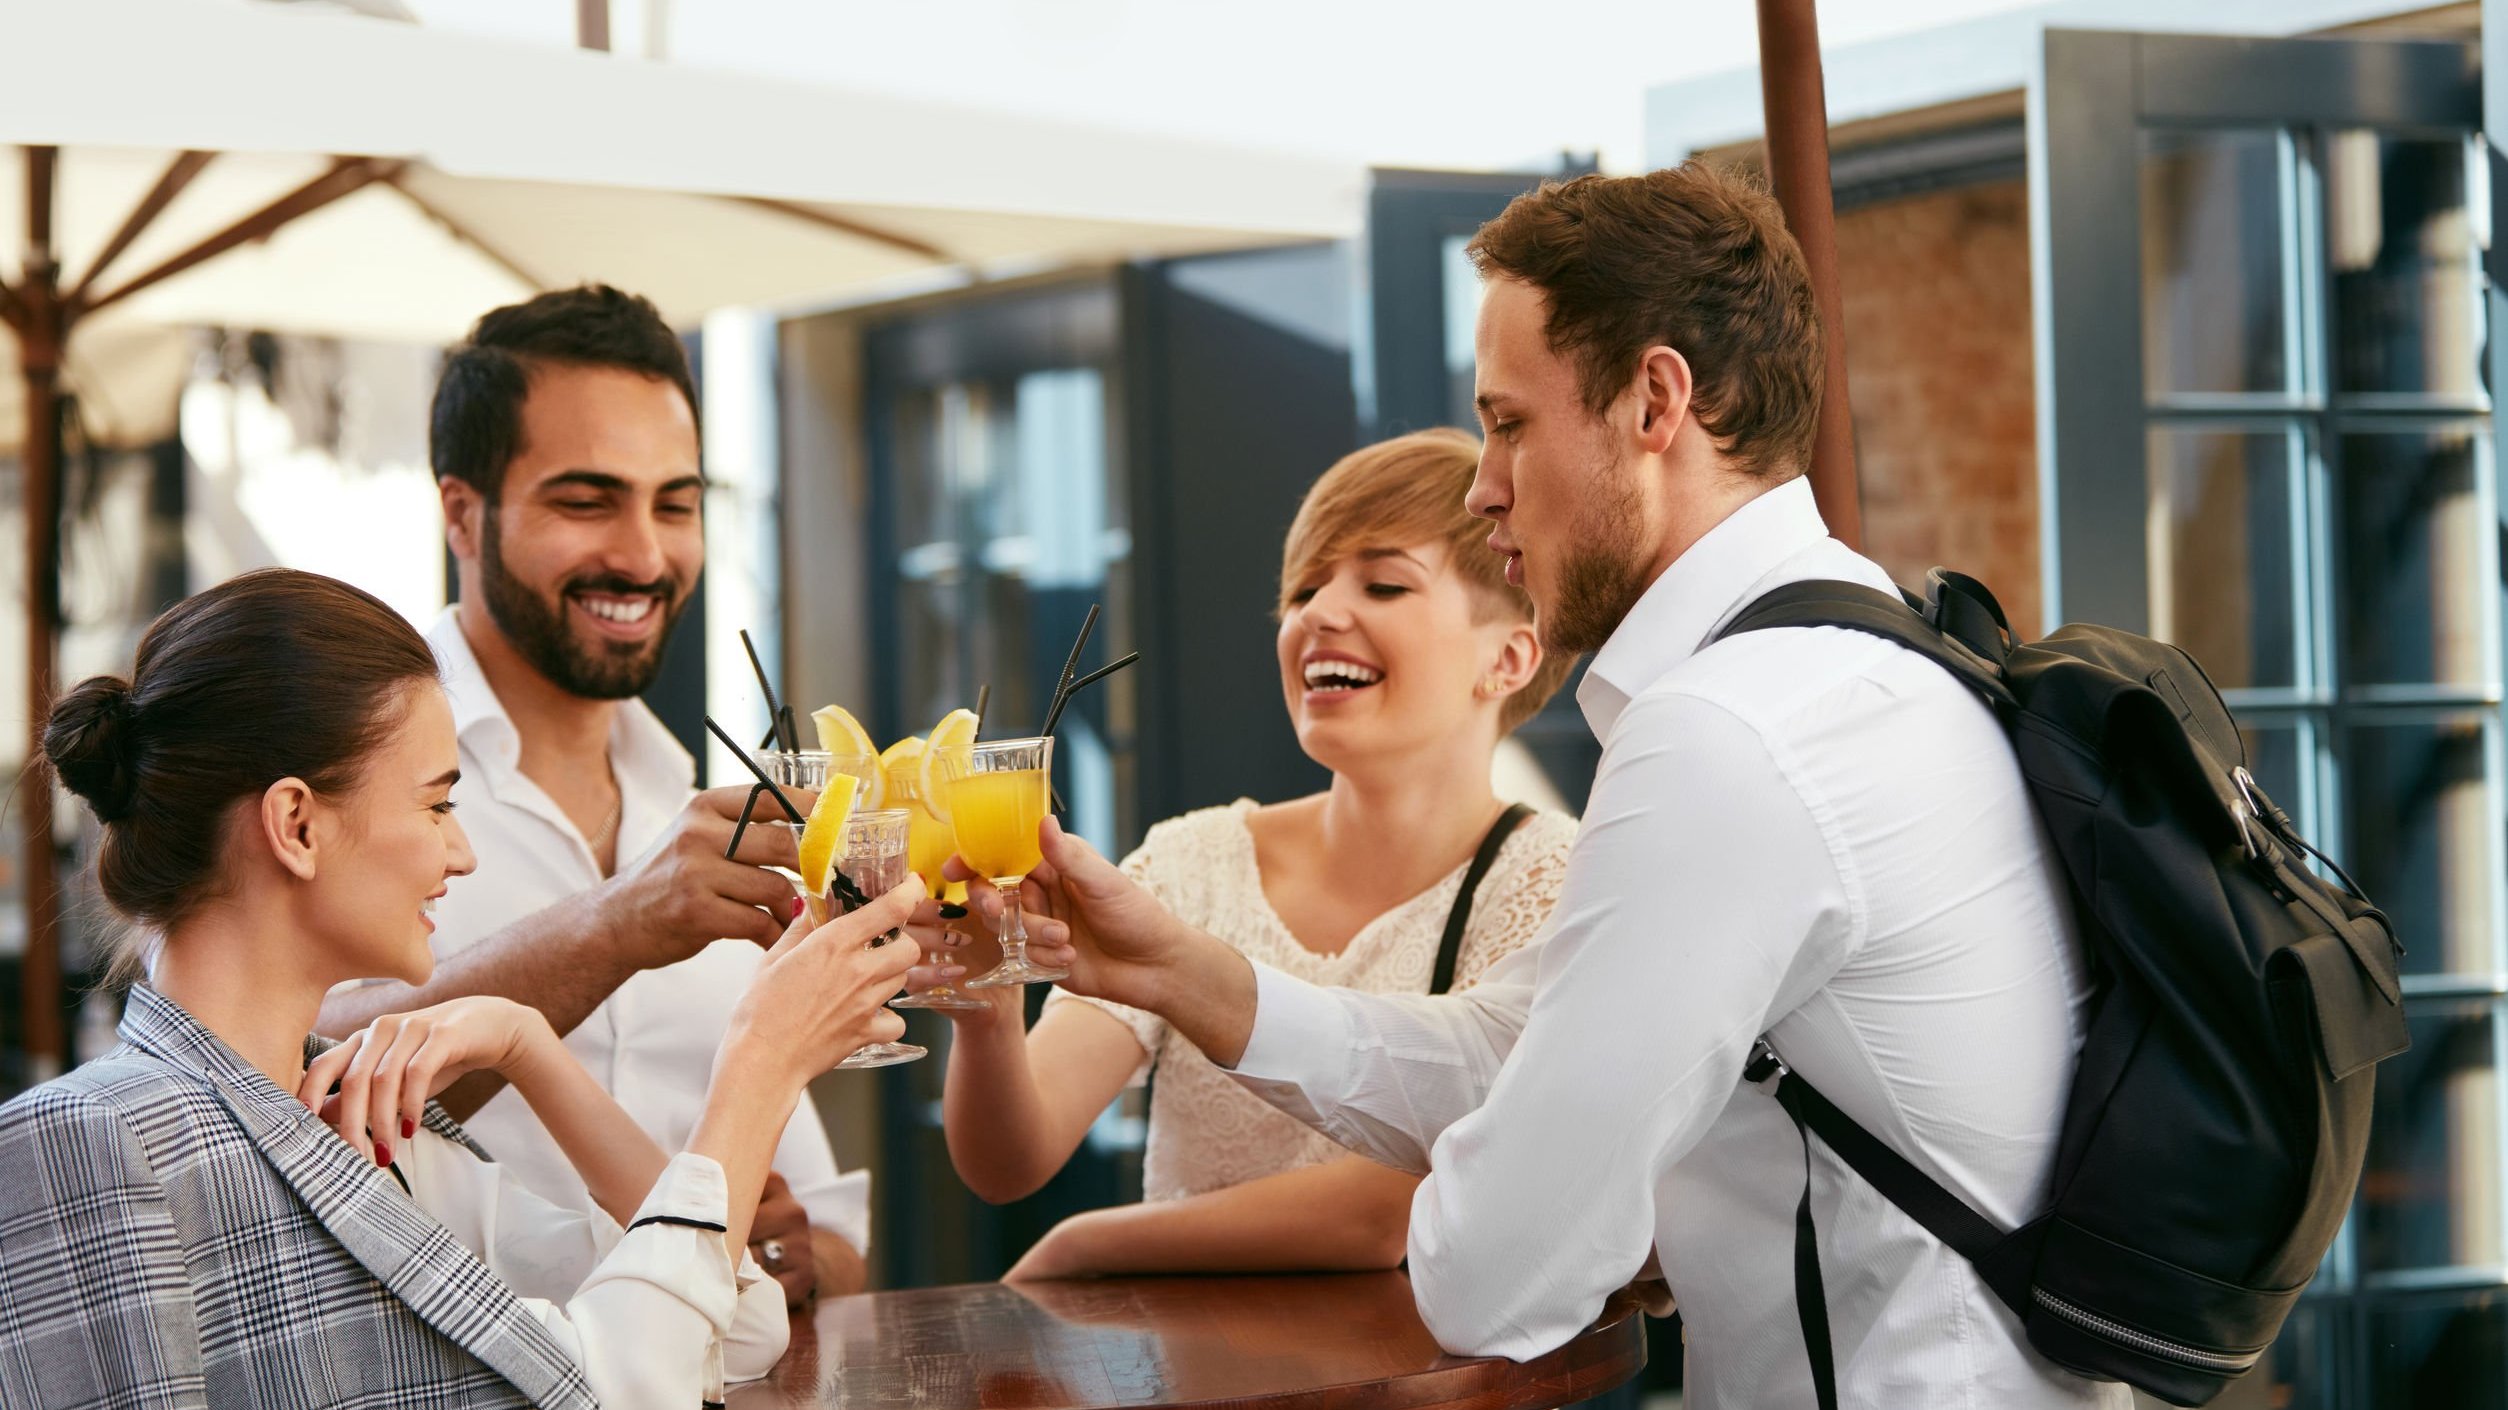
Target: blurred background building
{"points": [[2172, 318]]}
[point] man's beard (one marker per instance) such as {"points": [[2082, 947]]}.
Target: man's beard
{"points": [[1604, 571], [538, 629]]}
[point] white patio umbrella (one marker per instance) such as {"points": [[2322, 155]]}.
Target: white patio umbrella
{"points": [[186, 162]]}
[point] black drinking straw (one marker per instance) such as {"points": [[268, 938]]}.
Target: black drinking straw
{"points": [[1104, 671], [1063, 696], [764, 785], [1071, 663], [983, 696], [1070, 668], [780, 721]]}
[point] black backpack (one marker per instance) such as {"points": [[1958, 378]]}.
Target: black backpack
{"points": [[2220, 1113]]}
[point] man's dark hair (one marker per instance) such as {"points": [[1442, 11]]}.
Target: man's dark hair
{"points": [[1688, 256], [475, 430]]}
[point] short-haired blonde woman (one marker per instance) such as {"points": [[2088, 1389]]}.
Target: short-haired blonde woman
{"points": [[1404, 658]]}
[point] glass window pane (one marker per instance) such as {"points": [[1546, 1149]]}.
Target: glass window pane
{"points": [[2400, 242], [2440, 1352], [2213, 307], [2412, 528], [2223, 553], [1462, 319], [923, 506], [2429, 1197], [2278, 758], [2418, 822]]}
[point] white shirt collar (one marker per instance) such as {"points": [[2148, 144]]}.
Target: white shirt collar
{"points": [[1698, 593], [647, 759]]}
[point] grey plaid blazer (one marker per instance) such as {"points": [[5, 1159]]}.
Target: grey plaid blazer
{"points": [[177, 1231]]}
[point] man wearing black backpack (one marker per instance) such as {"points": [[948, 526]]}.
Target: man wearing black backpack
{"points": [[1813, 835]]}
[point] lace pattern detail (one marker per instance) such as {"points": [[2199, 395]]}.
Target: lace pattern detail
{"points": [[1206, 1132]]}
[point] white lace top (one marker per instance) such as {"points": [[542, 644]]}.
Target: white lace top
{"points": [[1207, 1133]]}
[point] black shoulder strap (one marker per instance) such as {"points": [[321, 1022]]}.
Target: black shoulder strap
{"points": [[1450, 948], [2002, 1260], [1959, 627], [1821, 603]]}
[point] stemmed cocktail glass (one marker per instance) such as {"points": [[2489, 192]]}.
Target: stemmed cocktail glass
{"points": [[998, 795], [872, 846], [929, 844], [870, 860]]}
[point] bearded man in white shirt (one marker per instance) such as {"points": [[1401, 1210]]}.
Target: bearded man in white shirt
{"points": [[1808, 833], [564, 441]]}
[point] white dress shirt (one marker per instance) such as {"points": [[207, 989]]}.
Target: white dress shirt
{"points": [[651, 1043], [1812, 834], [658, 1315]]}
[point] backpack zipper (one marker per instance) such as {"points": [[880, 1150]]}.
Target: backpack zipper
{"points": [[2144, 1341]]}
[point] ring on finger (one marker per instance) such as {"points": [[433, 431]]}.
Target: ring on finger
{"points": [[771, 1255]]}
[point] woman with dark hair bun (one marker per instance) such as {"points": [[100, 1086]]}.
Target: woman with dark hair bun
{"points": [[225, 1211]]}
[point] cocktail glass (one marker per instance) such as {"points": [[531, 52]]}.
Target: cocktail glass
{"points": [[929, 844], [999, 794], [790, 768], [870, 860]]}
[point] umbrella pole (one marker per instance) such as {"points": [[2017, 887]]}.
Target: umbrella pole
{"points": [[40, 324], [1798, 171], [592, 25]]}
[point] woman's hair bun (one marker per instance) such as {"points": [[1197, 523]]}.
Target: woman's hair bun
{"points": [[89, 741]]}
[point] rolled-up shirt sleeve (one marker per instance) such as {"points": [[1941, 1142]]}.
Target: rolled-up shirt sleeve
{"points": [[656, 1314], [1387, 1075], [1703, 897]]}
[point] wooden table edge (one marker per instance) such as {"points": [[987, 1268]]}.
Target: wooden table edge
{"points": [[1600, 1358]]}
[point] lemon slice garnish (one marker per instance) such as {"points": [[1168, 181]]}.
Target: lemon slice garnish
{"points": [[902, 765], [844, 738], [841, 733], [953, 739], [825, 829]]}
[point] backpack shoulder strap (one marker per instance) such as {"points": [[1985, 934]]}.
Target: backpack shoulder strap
{"points": [[1826, 603], [1944, 1215], [1450, 948], [2003, 1261]]}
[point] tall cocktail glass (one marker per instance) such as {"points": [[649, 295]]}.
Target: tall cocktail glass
{"points": [[999, 794], [870, 860], [929, 844]]}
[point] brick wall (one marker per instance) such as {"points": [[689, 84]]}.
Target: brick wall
{"points": [[1938, 365]]}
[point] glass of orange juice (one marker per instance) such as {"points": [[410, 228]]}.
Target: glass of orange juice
{"points": [[998, 795]]}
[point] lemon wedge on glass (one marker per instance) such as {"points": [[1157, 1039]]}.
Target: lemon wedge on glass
{"points": [[901, 764], [952, 739], [825, 829], [849, 748]]}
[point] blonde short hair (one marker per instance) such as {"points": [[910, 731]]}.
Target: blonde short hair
{"points": [[1410, 490]]}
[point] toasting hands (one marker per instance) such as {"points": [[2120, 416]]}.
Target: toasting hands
{"points": [[683, 894], [1086, 916]]}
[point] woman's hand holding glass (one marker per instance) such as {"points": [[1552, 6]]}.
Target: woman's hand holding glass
{"points": [[823, 993], [388, 1070]]}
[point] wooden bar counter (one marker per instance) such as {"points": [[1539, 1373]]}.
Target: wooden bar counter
{"points": [[1349, 1341]]}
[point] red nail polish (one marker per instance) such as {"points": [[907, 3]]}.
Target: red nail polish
{"points": [[795, 913], [409, 1129], [382, 1154]]}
